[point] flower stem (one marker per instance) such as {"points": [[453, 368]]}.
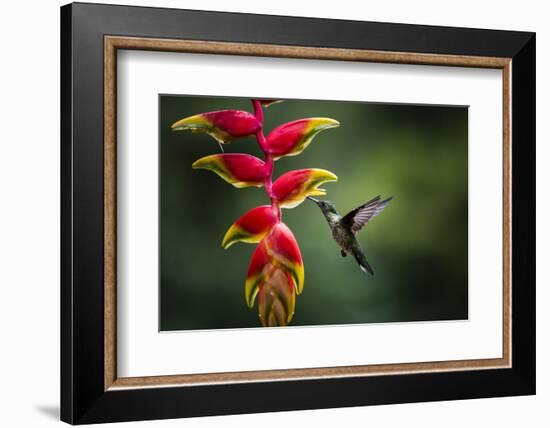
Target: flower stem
{"points": [[269, 161]]}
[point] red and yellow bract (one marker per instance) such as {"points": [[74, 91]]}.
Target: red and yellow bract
{"points": [[251, 227], [223, 125], [292, 188], [238, 169], [292, 138]]}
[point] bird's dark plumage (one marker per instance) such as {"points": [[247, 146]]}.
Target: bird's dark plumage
{"points": [[362, 260], [361, 215], [344, 229]]}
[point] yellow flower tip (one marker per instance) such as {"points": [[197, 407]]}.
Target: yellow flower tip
{"points": [[243, 184], [225, 245], [300, 280], [318, 192], [250, 296], [322, 176], [228, 240], [192, 122], [329, 176], [229, 237], [205, 162], [321, 123], [237, 234]]}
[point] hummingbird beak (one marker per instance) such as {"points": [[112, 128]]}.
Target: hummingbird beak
{"points": [[313, 199]]}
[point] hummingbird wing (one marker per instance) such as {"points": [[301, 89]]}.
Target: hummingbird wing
{"points": [[357, 218]]}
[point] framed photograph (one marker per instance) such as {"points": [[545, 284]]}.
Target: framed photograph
{"points": [[265, 213]]}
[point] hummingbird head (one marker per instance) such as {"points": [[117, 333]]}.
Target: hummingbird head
{"points": [[327, 207]]}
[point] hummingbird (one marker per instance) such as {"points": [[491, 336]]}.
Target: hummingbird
{"points": [[344, 229]]}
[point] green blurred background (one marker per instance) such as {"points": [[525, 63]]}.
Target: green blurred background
{"points": [[418, 247]]}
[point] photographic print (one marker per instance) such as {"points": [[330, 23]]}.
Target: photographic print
{"points": [[311, 212], [295, 217]]}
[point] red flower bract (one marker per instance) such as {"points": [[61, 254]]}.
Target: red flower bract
{"points": [[241, 170], [291, 188], [224, 125], [251, 227], [235, 122], [292, 138]]}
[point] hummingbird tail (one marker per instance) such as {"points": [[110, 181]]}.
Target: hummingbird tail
{"points": [[362, 261]]}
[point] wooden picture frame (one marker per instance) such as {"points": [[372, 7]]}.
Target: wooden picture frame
{"points": [[91, 390]]}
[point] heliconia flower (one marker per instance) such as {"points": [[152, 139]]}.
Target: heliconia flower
{"points": [[290, 139], [278, 249], [238, 169], [251, 227], [291, 188], [267, 103], [276, 270], [276, 298], [223, 125]]}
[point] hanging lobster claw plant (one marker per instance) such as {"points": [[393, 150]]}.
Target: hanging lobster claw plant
{"points": [[276, 271]]}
